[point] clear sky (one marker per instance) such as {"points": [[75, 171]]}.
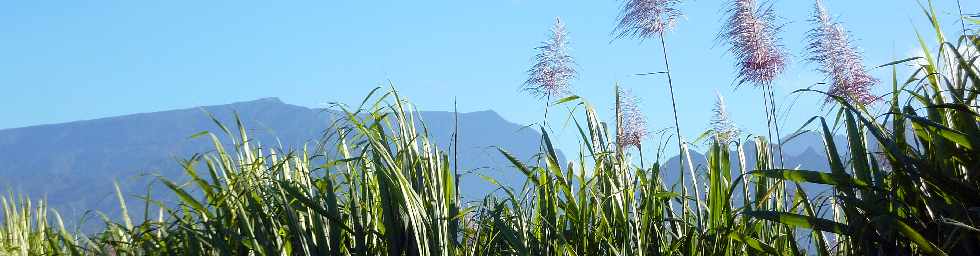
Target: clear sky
{"points": [[74, 60]]}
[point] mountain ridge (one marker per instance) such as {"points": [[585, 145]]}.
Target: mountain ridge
{"points": [[74, 164]]}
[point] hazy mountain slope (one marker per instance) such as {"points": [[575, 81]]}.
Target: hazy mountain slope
{"points": [[804, 151], [74, 164]]}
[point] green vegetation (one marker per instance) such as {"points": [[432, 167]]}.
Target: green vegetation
{"points": [[907, 184]]}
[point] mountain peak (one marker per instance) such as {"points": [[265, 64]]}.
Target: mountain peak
{"points": [[273, 100], [486, 113], [260, 105]]}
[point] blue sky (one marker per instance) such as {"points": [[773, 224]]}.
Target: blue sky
{"points": [[73, 60]]}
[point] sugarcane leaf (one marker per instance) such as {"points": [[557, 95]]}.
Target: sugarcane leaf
{"points": [[186, 197], [754, 243], [518, 164], [898, 62], [801, 221], [924, 244], [566, 99], [812, 177], [952, 135]]}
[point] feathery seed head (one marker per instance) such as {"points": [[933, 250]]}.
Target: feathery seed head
{"points": [[841, 63], [647, 18], [754, 43], [722, 124], [553, 67], [634, 124]]}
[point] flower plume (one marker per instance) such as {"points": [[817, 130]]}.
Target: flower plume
{"points": [[633, 126], [553, 67], [754, 44], [841, 62], [647, 18], [722, 124]]}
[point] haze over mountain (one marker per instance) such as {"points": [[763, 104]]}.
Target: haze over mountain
{"points": [[73, 165], [804, 151]]}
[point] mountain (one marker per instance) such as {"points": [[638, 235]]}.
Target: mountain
{"points": [[802, 151], [73, 165]]}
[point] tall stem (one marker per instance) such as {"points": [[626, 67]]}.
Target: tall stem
{"points": [[775, 124], [677, 127], [547, 103], [455, 168], [765, 103], [779, 140], [962, 22], [639, 151], [767, 143], [770, 127], [745, 184], [619, 120]]}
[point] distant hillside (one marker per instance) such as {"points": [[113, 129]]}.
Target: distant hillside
{"points": [[803, 151], [74, 164]]}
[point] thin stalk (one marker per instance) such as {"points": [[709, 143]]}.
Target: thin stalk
{"points": [[775, 123], [765, 104], [619, 118], [745, 183], [547, 103], [694, 183], [639, 149], [778, 138], [456, 165], [677, 127], [959, 7]]}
